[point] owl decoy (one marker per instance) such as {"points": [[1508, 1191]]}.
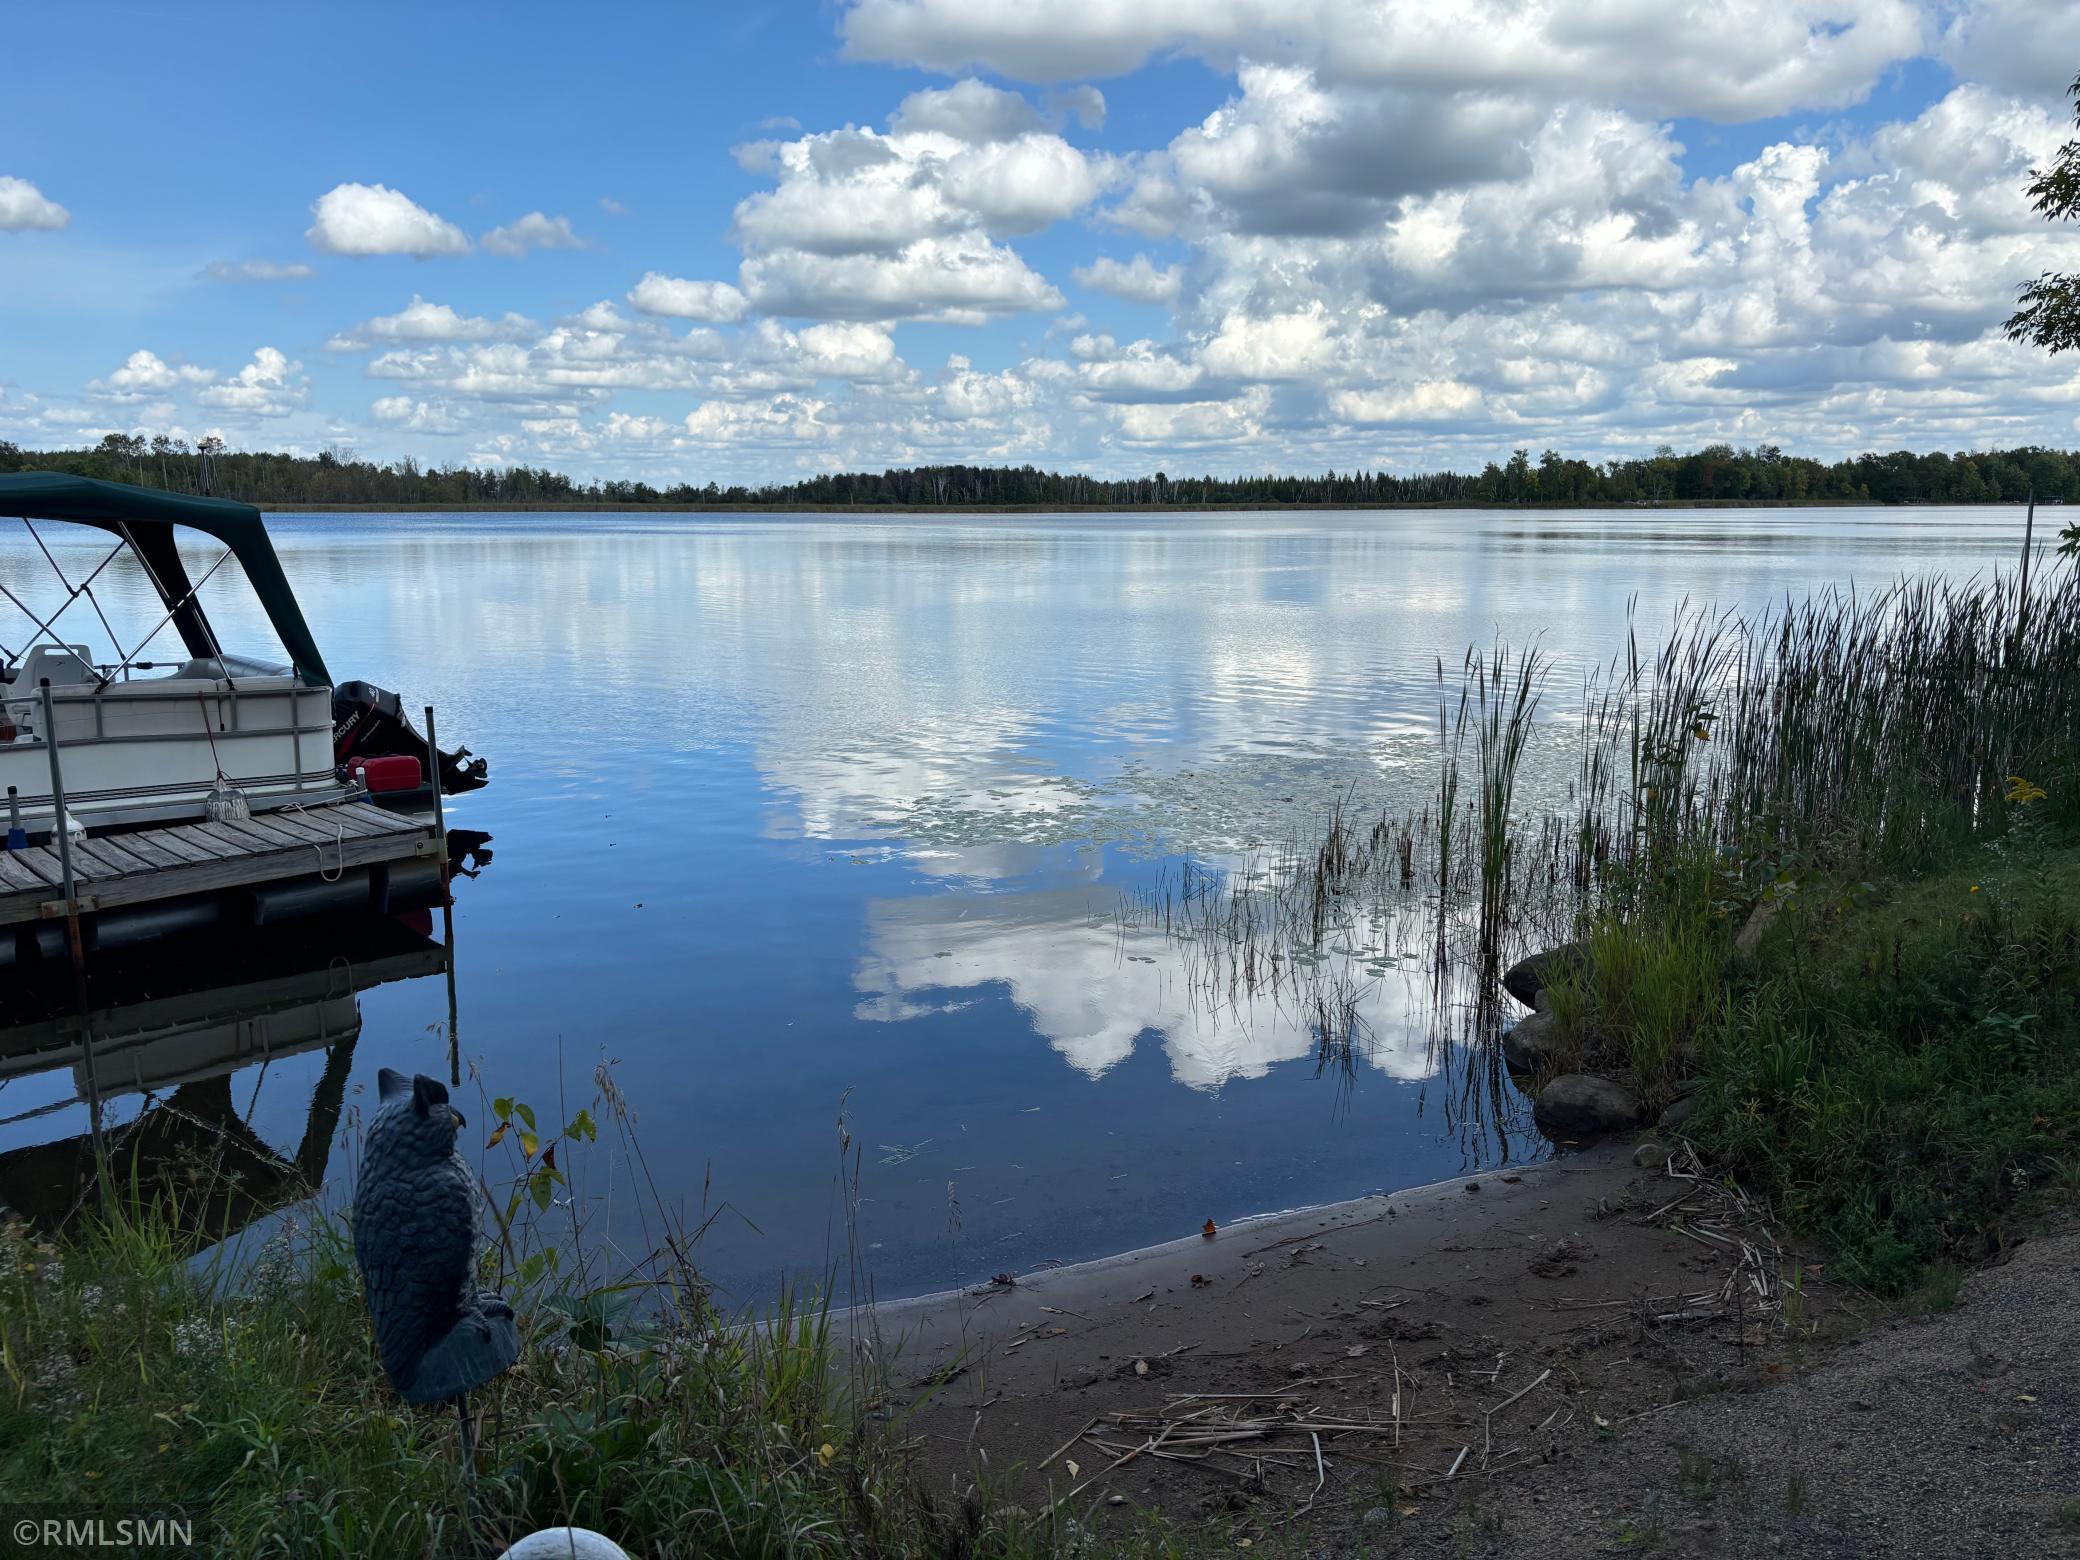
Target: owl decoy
{"points": [[415, 1239]]}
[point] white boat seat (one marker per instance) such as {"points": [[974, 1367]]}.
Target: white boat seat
{"points": [[66, 666], [210, 668]]}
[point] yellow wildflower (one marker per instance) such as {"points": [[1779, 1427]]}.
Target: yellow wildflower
{"points": [[2022, 792]]}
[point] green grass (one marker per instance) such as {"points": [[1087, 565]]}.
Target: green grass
{"points": [[1649, 986], [139, 1369], [135, 1378], [1899, 1071]]}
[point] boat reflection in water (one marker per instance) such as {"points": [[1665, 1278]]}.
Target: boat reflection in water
{"points": [[169, 1026]]}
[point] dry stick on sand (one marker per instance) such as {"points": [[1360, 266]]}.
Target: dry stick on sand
{"points": [[1078, 1436], [1488, 1419], [1395, 1355]]}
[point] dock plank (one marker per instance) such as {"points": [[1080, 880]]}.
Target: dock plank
{"points": [[182, 851], [39, 860], [16, 878], [90, 865], [120, 857], [365, 821], [272, 867], [193, 836], [153, 854], [230, 835], [303, 826], [269, 834]]}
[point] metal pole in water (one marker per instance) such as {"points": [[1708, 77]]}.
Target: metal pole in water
{"points": [[440, 813], [454, 1015], [433, 765], [79, 952]]}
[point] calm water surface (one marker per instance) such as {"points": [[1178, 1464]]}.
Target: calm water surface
{"points": [[794, 811]]}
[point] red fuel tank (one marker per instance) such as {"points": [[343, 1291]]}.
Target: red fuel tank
{"points": [[386, 772]]}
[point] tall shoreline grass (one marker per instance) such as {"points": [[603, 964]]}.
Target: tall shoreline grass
{"points": [[1835, 759], [1845, 734]]}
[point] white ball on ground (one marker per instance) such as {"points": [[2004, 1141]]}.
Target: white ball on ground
{"points": [[566, 1543]]}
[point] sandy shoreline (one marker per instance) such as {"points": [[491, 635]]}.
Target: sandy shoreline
{"points": [[1558, 1359], [930, 1325]]}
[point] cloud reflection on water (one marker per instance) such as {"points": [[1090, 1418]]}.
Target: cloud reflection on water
{"points": [[1095, 992]]}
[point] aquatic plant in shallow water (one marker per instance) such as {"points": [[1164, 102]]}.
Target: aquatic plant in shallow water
{"points": [[1838, 737]]}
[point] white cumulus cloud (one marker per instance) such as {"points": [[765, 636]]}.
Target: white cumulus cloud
{"points": [[423, 321], [1138, 280], [144, 374], [1735, 59], [2026, 46], [862, 225], [269, 386], [23, 207], [402, 412], [964, 279], [373, 219], [536, 230], [710, 302], [968, 111]]}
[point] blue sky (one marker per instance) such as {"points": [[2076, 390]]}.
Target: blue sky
{"points": [[1198, 234]]}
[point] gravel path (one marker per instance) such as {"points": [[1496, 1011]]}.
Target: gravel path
{"points": [[1959, 1435]]}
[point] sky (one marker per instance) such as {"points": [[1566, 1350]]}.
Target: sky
{"points": [[676, 242]]}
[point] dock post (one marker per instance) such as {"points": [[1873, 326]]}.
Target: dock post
{"points": [[440, 833], [448, 903], [454, 1013], [63, 837], [440, 816], [59, 832]]}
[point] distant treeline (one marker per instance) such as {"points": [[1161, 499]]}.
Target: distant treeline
{"points": [[1718, 473]]}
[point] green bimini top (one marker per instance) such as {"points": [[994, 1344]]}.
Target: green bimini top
{"points": [[145, 518]]}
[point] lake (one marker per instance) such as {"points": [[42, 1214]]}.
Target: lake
{"points": [[795, 814]]}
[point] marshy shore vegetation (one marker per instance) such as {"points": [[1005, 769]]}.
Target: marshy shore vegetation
{"points": [[1817, 880]]}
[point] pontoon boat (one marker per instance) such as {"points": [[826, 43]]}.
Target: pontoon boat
{"points": [[151, 741]]}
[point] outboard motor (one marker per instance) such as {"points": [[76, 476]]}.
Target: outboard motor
{"points": [[370, 722]]}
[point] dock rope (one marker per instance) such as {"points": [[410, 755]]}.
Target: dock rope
{"points": [[339, 844]]}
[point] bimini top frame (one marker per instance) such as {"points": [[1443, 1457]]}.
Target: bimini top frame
{"points": [[145, 518]]}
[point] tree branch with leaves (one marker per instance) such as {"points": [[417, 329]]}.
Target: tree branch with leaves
{"points": [[2050, 312]]}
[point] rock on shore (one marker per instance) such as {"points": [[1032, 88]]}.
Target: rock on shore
{"points": [[1528, 977], [1585, 1103], [1534, 1046]]}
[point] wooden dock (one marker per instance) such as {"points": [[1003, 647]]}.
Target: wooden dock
{"points": [[182, 860]]}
